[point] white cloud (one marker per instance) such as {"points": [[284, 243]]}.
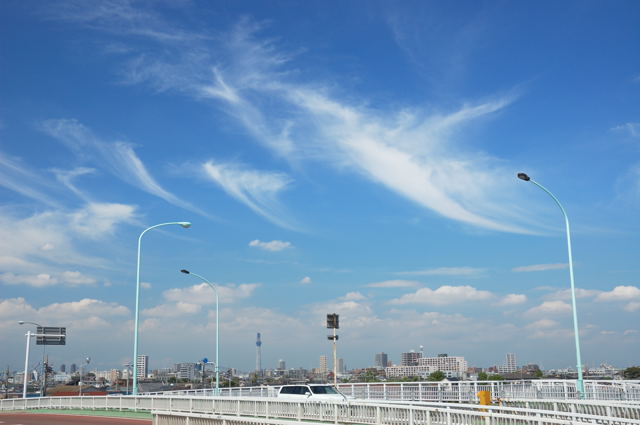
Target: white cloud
{"points": [[15, 307], [270, 246], [51, 236], [445, 271], [540, 267], [84, 307], [256, 189], [632, 129], [173, 310], [66, 278], [549, 307], [631, 332], [565, 294], [97, 219], [145, 285], [620, 293], [353, 296], [632, 306], [305, 280], [203, 294], [543, 324], [394, 284], [444, 295], [513, 299]]}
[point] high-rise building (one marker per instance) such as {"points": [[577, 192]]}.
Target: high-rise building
{"points": [[63, 368], [511, 362], [341, 366], [323, 365], [281, 365], [381, 360], [143, 366], [410, 359], [510, 365], [74, 368]]}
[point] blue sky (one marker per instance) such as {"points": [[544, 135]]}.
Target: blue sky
{"points": [[350, 157]]}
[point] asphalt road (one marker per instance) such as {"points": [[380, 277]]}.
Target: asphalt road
{"points": [[46, 419]]}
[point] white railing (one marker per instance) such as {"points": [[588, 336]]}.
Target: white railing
{"points": [[270, 411], [459, 391], [274, 411]]}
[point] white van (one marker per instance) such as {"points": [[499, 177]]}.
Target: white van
{"points": [[311, 392]]}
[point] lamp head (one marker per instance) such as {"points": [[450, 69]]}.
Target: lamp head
{"points": [[185, 224], [523, 176], [185, 271]]}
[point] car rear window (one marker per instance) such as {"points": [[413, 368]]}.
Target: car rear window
{"points": [[323, 389], [294, 389]]}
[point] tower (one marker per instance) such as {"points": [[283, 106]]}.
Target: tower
{"points": [[258, 354]]}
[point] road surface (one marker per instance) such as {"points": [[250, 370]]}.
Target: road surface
{"points": [[57, 419]]}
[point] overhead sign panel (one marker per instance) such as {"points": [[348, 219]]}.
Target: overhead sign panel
{"points": [[49, 335]]}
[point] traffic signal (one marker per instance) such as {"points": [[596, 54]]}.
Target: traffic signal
{"points": [[333, 321]]}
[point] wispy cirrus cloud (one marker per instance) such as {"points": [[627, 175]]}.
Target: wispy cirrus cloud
{"points": [[445, 271], [540, 267], [258, 190], [120, 17], [118, 157], [16, 176], [415, 152]]}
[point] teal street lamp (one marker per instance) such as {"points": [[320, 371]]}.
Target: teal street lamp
{"points": [[184, 224], [215, 290], [580, 383]]}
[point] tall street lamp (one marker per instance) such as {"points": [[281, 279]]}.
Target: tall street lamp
{"points": [[26, 357], [184, 224], [215, 290], [580, 383]]}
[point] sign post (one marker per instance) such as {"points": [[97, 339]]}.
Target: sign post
{"points": [[45, 335]]}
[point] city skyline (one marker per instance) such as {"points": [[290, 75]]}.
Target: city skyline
{"points": [[354, 158]]}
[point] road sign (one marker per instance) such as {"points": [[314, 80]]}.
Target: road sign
{"points": [[48, 335]]}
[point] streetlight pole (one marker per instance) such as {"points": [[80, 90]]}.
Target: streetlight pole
{"points": [[26, 361], [215, 290], [580, 383], [26, 365], [87, 360], [184, 224]]}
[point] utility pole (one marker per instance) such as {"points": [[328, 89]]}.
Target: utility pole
{"points": [[333, 323]]}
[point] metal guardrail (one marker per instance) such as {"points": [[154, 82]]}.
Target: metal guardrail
{"points": [[459, 391], [247, 410]]}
